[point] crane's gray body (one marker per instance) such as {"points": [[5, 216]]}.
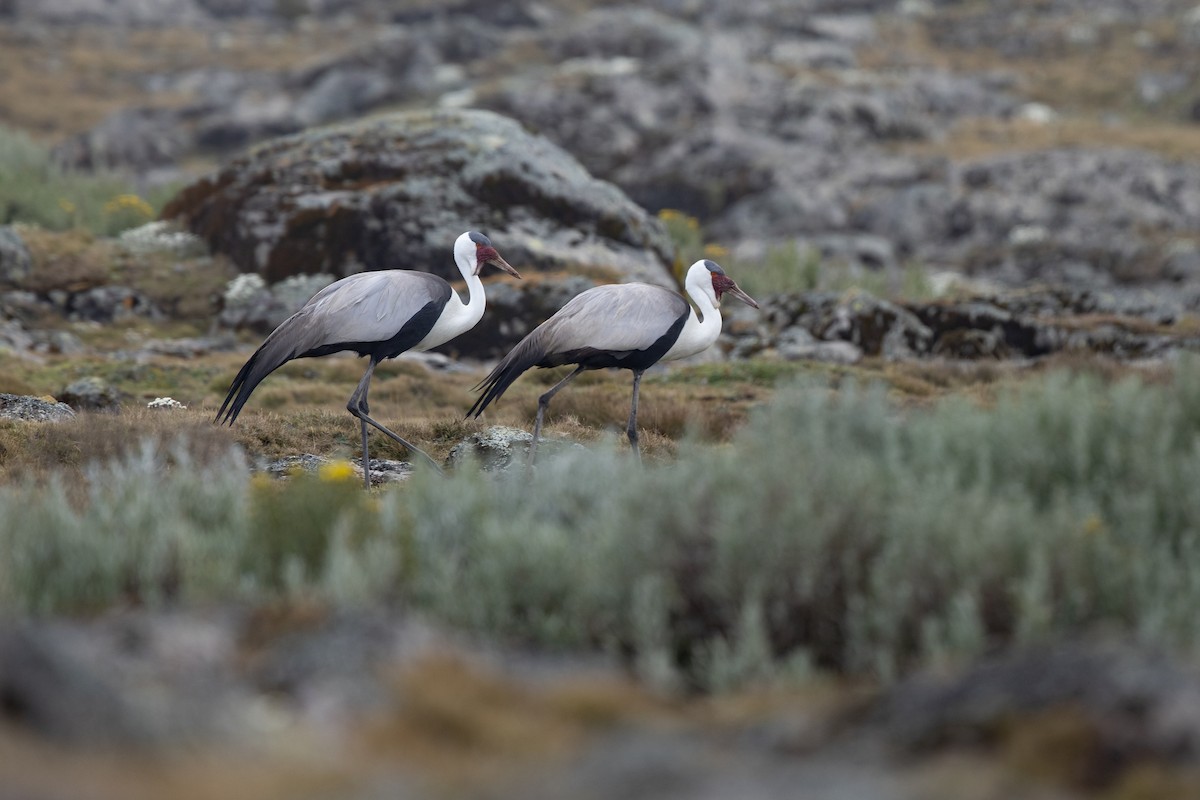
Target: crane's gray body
{"points": [[377, 314], [631, 326]]}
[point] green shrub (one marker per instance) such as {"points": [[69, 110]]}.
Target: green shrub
{"points": [[835, 532], [35, 191], [842, 533]]}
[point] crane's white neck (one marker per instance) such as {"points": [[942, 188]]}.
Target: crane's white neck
{"points": [[457, 317], [700, 330]]}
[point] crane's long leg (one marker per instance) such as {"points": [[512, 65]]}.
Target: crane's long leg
{"points": [[631, 428], [359, 408], [543, 404], [357, 404]]}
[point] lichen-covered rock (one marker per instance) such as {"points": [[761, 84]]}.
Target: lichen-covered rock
{"points": [[15, 261], [251, 303], [162, 237], [1124, 324], [797, 344], [499, 447], [383, 471], [37, 409], [395, 191], [386, 470], [494, 448], [290, 465], [91, 394], [110, 304], [877, 327]]}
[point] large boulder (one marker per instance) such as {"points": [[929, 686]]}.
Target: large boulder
{"points": [[395, 191]]}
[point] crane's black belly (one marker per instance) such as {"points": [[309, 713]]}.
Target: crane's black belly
{"points": [[410, 334], [637, 360]]}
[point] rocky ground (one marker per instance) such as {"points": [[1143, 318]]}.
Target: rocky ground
{"points": [[938, 194]]}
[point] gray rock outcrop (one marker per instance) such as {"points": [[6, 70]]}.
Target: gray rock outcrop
{"points": [[395, 191], [15, 260], [36, 409], [91, 394]]}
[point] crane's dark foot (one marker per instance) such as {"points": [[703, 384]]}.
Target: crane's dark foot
{"points": [[633, 443]]}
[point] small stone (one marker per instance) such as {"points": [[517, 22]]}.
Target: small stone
{"points": [[165, 403], [384, 470], [494, 448], [1027, 235], [1037, 113], [916, 9], [288, 466]]}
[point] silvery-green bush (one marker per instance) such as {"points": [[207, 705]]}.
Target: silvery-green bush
{"points": [[836, 531]]}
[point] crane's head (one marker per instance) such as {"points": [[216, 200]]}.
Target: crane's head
{"points": [[708, 277], [473, 250]]}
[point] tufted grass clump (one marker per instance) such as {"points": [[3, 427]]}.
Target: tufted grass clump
{"points": [[835, 531]]}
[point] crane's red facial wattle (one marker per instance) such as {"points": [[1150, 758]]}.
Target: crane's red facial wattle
{"points": [[485, 254], [723, 284]]}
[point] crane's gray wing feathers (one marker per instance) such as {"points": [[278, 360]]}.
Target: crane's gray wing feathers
{"points": [[617, 318], [368, 307], [362, 308]]}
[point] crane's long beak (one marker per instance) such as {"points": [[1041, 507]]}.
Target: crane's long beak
{"points": [[500, 263], [740, 295]]}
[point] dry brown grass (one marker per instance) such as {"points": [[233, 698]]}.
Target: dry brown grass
{"points": [[188, 290], [1073, 78], [65, 80], [301, 407], [33, 451], [1088, 84], [71, 260], [980, 138]]}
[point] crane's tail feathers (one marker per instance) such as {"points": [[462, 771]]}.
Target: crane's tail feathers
{"points": [[266, 359], [525, 355]]}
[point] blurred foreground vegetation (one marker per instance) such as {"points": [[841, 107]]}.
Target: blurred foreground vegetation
{"points": [[836, 531]]}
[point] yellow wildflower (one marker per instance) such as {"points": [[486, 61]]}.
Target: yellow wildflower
{"points": [[336, 471], [262, 482], [1093, 525], [66, 205], [715, 251], [130, 203]]}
